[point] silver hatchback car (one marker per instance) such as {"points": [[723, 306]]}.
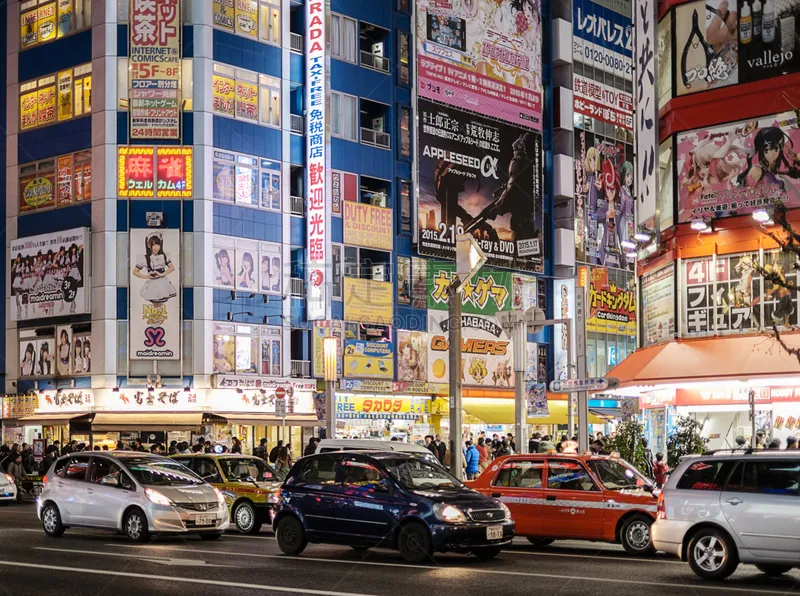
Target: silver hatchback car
{"points": [[721, 509], [130, 492]]}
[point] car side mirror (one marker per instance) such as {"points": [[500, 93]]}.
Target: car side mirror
{"points": [[110, 481]]}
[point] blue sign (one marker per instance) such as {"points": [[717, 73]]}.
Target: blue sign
{"points": [[602, 38]]}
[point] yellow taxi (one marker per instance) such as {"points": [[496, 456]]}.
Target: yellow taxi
{"points": [[249, 484], [566, 496]]}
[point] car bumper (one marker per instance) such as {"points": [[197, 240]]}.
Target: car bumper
{"points": [[454, 537], [668, 535], [176, 519], [8, 493]]}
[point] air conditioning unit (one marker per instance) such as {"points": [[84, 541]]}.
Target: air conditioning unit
{"points": [[378, 124], [378, 272], [377, 49], [378, 199]]}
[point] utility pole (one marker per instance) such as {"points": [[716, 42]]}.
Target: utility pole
{"points": [[519, 340], [454, 332], [580, 357]]}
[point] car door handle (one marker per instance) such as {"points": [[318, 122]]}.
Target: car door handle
{"points": [[734, 501], [496, 495], [550, 497]]}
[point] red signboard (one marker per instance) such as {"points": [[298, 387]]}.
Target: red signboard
{"points": [[720, 397], [163, 172]]}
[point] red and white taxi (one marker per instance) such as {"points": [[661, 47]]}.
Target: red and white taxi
{"points": [[569, 496]]}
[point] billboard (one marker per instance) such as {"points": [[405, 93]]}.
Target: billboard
{"points": [[368, 225], [481, 177], [601, 102], [602, 38], [146, 171], [49, 275], [646, 111], [368, 359], [736, 168], [412, 355], [155, 69], [564, 307], [658, 305], [604, 200], [155, 311], [484, 56], [368, 301], [612, 308]]}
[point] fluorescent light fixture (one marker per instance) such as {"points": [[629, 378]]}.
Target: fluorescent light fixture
{"points": [[699, 225], [642, 236], [761, 215], [628, 244]]}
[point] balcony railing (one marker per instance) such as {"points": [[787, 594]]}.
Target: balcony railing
{"points": [[297, 287], [301, 369], [370, 60], [296, 42], [297, 206], [297, 124], [376, 138]]}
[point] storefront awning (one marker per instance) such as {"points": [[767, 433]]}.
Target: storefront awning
{"points": [[156, 421], [501, 411], [48, 419], [709, 359], [307, 420]]}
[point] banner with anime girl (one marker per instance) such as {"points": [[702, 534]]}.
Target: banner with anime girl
{"points": [[736, 168], [155, 315]]}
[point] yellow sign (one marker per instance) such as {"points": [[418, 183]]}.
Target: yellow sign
{"points": [[64, 18], [367, 301], [65, 95], [47, 22], [368, 359], [223, 14], [28, 28], [381, 406], [46, 105], [223, 94], [246, 100], [367, 225], [247, 17], [28, 112]]}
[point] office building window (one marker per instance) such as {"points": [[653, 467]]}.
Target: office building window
{"points": [[247, 349], [337, 271], [43, 21], [246, 180], [344, 116], [405, 131], [405, 72], [246, 95], [405, 206], [269, 22], [344, 39], [56, 98], [254, 19], [55, 182]]}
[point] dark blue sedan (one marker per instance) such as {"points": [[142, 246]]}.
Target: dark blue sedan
{"points": [[400, 500]]}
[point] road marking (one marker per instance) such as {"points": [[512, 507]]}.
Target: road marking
{"points": [[184, 580], [159, 560], [569, 555], [471, 569]]}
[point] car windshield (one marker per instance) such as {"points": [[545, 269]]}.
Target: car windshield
{"points": [[617, 476], [150, 472], [418, 473], [247, 469]]}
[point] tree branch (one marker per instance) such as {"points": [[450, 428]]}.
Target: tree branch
{"points": [[792, 351]]}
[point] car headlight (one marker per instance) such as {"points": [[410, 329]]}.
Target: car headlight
{"points": [[9, 478], [506, 510], [220, 497], [156, 497], [449, 513]]}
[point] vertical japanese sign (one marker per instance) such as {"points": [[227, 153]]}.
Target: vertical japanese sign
{"points": [[318, 206], [155, 69], [646, 113]]}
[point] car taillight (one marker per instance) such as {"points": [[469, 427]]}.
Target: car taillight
{"points": [[44, 479], [662, 509]]}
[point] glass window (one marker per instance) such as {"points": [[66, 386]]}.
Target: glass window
{"points": [[420, 472], [344, 40], [269, 22], [104, 470], [359, 475], [344, 115], [246, 95], [766, 477], [520, 474], [246, 469], [43, 21], [237, 178], [350, 261], [206, 468], [75, 468], [404, 5], [337, 270], [158, 472], [568, 475], [269, 100], [56, 98], [404, 73], [615, 475], [405, 131], [706, 475], [320, 471]]}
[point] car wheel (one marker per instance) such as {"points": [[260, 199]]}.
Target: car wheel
{"points": [[773, 570], [245, 518], [135, 526], [51, 521], [414, 543], [290, 535], [541, 541], [635, 535], [490, 552], [712, 555], [213, 536]]}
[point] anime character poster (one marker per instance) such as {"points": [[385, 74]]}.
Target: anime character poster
{"points": [[481, 177], [224, 263], [736, 168], [48, 275], [412, 355], [63, 350], [155, 311], [604, 202]]}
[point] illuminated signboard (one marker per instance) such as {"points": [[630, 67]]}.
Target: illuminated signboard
{"points": [[318, 205], [163, 172]]}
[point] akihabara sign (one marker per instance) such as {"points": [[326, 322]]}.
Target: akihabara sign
{"points": [[318, 205]]}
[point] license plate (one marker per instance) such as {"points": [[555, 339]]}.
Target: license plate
{"points": [[205, 520], [494, 533]]}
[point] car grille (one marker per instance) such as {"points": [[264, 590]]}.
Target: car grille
{"points": [[197, 506], [487, 515]]}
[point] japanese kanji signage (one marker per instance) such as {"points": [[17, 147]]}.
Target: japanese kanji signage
{"points": [[487, 293], [318, 209], [163, 172], [602, 38], [646, 112], [155, 69], [612, 309], [602, 102], [380, 407]]}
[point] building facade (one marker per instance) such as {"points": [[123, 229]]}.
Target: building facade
{"points": [[252, 176]]}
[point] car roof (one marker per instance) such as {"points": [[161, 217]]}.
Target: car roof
{"points": [[746, 453], [371, 444], [215, 455], [583, 457], [374, 454]]}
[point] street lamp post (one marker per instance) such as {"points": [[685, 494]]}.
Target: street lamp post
{"points": [[330, 350]]}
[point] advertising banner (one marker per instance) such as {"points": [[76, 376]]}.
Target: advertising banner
{"points": [[223, 95], [602, 38], [536, 398], [484, 56], [602, 102], [736, 168], [727, 295], [155, 69], [412, 355], [246, 100], [604, 200], [658, 305], [155, 307], [486, 354], [564, 298], [49, 275], [487, 293], [482, 177], [646, 111], [612, 309], [720, 46], [247, 17], [380, 407], [367, 301], [368, 226], [65, 102], [224, 14], [37, 191], [368, 359], [163, 172]]}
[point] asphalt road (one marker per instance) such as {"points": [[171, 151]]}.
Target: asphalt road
{"points": [[94, 563]]}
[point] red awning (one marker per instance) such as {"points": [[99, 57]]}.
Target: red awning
{"points": [[734, 358]]}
